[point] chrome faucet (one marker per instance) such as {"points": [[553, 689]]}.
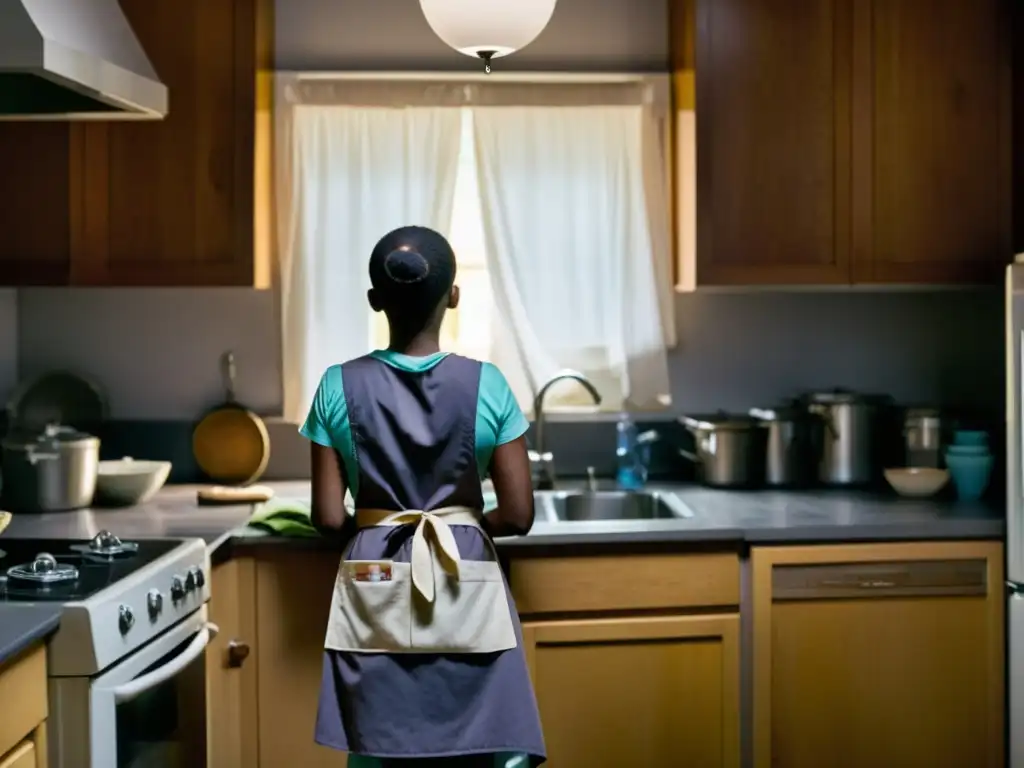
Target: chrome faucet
{"points": [[542, 462]]}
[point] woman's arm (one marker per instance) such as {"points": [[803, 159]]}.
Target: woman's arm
{"points": [[510, 473], [328, 496]]}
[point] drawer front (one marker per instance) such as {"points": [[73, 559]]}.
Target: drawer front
{"points": [[23, 693], [619, 583]]}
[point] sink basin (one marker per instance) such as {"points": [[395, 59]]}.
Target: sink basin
{"points": [[574, 506]]}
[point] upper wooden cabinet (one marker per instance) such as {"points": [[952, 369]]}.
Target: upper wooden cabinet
{"points": [[168, 202], [849, 141], [773, 141], [936, 136]]}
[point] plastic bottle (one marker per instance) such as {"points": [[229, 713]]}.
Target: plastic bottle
{"points": [[629, 475]]}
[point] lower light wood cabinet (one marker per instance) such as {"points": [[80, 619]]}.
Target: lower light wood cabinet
{"points": [[854, 656], [616, 688], [638, 691], [23, 710], [879, 655]]}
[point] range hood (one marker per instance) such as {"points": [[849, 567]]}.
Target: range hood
{"points": [[74, 60]]}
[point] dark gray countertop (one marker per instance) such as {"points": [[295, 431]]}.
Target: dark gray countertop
{"points": [[751, 518], [22, 625]]}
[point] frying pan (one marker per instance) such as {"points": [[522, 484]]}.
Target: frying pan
{"points": [[230, 443]]}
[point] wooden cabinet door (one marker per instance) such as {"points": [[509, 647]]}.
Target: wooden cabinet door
{"points": [[231, 684], [293, 591], [170, 202], [36, 204], [773, 141], [933, 105], [638, 691], [878, 655]]}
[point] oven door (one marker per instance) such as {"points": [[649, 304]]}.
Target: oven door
{"points": [[149, 711]]}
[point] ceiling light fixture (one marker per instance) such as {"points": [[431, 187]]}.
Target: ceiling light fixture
{"points": [[487, 29]]}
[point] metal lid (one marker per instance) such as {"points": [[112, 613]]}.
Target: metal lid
{"points": [[923, 413], [50, 435], [722, 421], [781, 413], [842, 397]]}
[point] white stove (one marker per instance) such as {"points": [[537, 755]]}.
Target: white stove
{"points": [[125, 666]]}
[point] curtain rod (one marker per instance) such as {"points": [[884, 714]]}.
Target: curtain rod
{"points": [[480, 77]]}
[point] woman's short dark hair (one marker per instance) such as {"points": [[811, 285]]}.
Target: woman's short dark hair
{"points": [[412, 269]]}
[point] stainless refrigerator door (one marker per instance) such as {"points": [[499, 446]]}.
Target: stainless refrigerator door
{"points": [[1014, 436], [1015, 679]]}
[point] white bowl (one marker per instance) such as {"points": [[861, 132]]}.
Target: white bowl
{"points": [[126, 482], [917, 482]]}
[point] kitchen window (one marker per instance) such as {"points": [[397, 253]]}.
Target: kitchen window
{"points": [[467, 329], [553, 194]]}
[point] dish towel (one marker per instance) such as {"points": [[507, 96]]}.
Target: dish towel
{"points": [[290, 517], [284, 517]]}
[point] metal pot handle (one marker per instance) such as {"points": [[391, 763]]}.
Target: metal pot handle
{"points": [[824, 414]]}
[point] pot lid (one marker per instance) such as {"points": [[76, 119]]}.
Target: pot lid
{"points": [[722, 421], [51, 434], [842, 396], [923, 413], [780, 413]]}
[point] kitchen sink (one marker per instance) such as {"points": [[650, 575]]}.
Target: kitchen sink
{"points": [[576, 506]]}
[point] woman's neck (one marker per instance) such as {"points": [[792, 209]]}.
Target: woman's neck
{"points": [[418, 345]]}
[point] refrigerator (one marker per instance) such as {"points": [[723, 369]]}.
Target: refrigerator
{"points": [[1015, 508]]}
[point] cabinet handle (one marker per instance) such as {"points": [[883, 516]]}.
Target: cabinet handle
{"points": [[870, 584], [238, 652]]}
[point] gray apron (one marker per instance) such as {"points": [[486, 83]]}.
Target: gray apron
{"points": [[381, 694]]}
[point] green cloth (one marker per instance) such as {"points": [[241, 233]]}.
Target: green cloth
{"points": [[291, 517], [499, 419], [284, 517]]}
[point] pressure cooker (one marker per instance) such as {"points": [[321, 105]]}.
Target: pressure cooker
{"points": [[51, 471]]}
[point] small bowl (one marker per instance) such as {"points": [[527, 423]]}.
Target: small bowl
{"points": [[970, 437], [126, 482], [971, 475], [917, 482], [967, 450]]}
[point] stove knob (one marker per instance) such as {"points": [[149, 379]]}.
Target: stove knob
{"points": [[177, 588], [125, 619], [197, 575], [154, 602], [190, 582]]}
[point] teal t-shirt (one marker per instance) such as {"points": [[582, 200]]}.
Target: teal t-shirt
{"points": [[499, 419]]}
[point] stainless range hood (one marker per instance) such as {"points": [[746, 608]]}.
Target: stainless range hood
{"points": [[74, 60]]}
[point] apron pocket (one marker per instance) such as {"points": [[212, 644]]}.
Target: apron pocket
{"points": [[469, 614], [371, 607]]}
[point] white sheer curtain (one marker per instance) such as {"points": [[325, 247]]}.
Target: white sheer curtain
{"points": [[576, 219], [347, 174]]}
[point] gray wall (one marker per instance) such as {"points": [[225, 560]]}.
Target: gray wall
{"points": [[156, 350], [584, 35]]}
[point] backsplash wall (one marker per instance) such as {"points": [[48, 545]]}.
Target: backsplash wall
{"points": [[156, 351]]}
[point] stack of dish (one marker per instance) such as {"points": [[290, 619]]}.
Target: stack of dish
{"points": [[970, 463]]}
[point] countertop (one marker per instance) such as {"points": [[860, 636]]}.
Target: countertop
{"points": [[751, 518], [22, 625]]}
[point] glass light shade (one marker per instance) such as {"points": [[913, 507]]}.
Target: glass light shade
{"points": [[473, 27]]}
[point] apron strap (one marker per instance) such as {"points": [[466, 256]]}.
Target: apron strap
{"points": [[445, 550]]}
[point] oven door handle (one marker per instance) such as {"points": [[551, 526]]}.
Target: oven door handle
{"points": [[133, 688]]}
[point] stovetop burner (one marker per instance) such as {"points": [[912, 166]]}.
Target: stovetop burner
{"points": [[44, 570], [105, 544], [55, 570]]}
